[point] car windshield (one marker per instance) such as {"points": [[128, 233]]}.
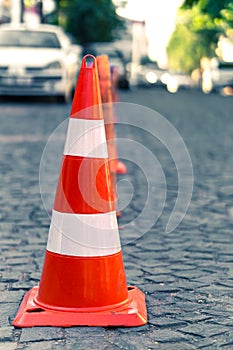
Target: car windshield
{"points": [[37, 39]]}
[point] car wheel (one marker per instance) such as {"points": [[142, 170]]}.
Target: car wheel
{"points": [[124, 84]]}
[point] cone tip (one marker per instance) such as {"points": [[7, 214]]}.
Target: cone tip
{"points": [[89, 61]]}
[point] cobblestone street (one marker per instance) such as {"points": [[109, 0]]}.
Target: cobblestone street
{"points": [[186, 275]]}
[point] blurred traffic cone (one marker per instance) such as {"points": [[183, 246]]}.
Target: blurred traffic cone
{"points": [[115, 83], [83, 280], [120, 166], [106, 96]]}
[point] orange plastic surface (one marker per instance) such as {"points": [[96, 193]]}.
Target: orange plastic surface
{"points": [[87, 92], [131, 314], [75, 194], [82, 282]]}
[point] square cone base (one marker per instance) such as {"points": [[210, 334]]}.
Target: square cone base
{"points": [[131, 314]]}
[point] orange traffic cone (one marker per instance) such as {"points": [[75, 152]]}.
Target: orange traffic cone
{"points": [[106, 96], [83, 280], [120, 166], [115, 83]]}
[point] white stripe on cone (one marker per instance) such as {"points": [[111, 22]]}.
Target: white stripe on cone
{"points": [[84, 234], [86, 138]]}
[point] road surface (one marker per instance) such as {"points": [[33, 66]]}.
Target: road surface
{"points": [[186, 274]]}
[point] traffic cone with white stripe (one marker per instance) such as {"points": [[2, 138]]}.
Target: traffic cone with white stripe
{"points": [[83, 280]]}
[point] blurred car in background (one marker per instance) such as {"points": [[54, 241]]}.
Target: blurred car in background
{"points": [[116, 59], [149, 74], [38, 61], [216, 74], [176, 80]]}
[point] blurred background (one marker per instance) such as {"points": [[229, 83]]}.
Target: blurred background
{"points": [[168, 43]]}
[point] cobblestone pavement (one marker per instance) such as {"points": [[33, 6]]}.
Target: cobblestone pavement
{"points": [[187, 275]]}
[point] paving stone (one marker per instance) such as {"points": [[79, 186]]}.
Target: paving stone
{"points": [[194, 317], [182, 267], [17, 254], [23, 285], [17, 261], [227, 345], [8, 242], [166, 322], [207, 344], [85, 331], [40, 248], [11, 276], [166, 346], [205, 330], [43, 345], [225, 321], [217, 311], [131, 341], [8, 346], [216, 290], [10, 296], [134, 276], [228, 283], [156, 270], [160, 278], [168, 336], [40, 333], [188, 285], [90, 344], [191, 274], [8, 312], [186, 306], [5, 333], [166, 288]]}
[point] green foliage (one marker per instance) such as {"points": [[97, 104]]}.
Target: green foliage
{"points": [[200, 23], [90, 20], [180, 53], [220, 12], [186, 48], [226, 20], [188, 4], [212, 7]]}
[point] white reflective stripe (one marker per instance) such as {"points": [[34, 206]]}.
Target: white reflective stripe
{"points": [[86, 138], [84, 234]]}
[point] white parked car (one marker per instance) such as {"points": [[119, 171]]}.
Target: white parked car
{"points": [[176, 80], [149, 74], [39, 60], [216, 75]]}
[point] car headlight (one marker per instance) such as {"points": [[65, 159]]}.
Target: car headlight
{"points": [[165, 78], [54, 65], [151, 77]]}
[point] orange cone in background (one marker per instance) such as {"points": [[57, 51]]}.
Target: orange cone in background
{"points": [[120, 166], [115, 83], [83, 280], [106, 96]]}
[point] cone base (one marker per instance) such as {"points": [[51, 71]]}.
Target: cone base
{"points": [[121, 168], [131, 314]]}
